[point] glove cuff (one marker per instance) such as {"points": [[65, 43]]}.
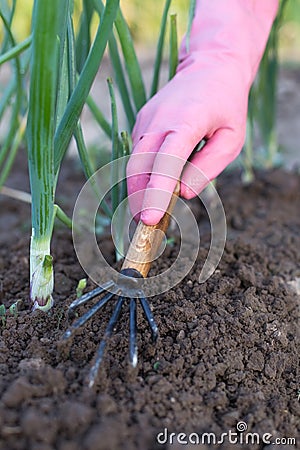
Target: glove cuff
{"points": [[236, 27]]}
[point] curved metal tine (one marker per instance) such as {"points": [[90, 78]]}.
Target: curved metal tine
{"points": [[83, 319], [149, 317], [90, 295], [107, 334], [133, 356]]}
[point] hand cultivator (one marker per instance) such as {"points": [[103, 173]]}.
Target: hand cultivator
{"points": [[142, 251]]}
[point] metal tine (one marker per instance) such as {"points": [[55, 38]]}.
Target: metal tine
{"points": [[133, 357], [90, 295], [83, 319], [149, 317], [107, 335]]}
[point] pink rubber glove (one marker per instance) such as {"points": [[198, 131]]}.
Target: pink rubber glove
{"points": [[207, 98]]}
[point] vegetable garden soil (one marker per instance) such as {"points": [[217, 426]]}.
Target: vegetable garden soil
{"points": [[228, 349]]}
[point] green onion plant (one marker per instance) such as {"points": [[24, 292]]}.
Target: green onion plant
{"points": [[81, 287], [56, 99], [262, 108], [13, 310]]}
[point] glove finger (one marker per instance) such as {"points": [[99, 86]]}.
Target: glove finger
{"points": [[139, 168], [222, 148], [166, 171]]}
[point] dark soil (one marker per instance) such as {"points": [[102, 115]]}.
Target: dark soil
{"points": [[228, 349]]}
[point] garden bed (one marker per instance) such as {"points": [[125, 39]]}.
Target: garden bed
{"points": [[227, 352]]}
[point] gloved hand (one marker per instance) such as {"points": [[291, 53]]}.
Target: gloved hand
{"points": [[207, 98]]}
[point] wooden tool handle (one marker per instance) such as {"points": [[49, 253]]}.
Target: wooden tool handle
{"points": [[147, 239]]}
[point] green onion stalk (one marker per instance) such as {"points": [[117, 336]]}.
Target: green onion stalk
{"points": [[48, 27], [55, 105]]}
